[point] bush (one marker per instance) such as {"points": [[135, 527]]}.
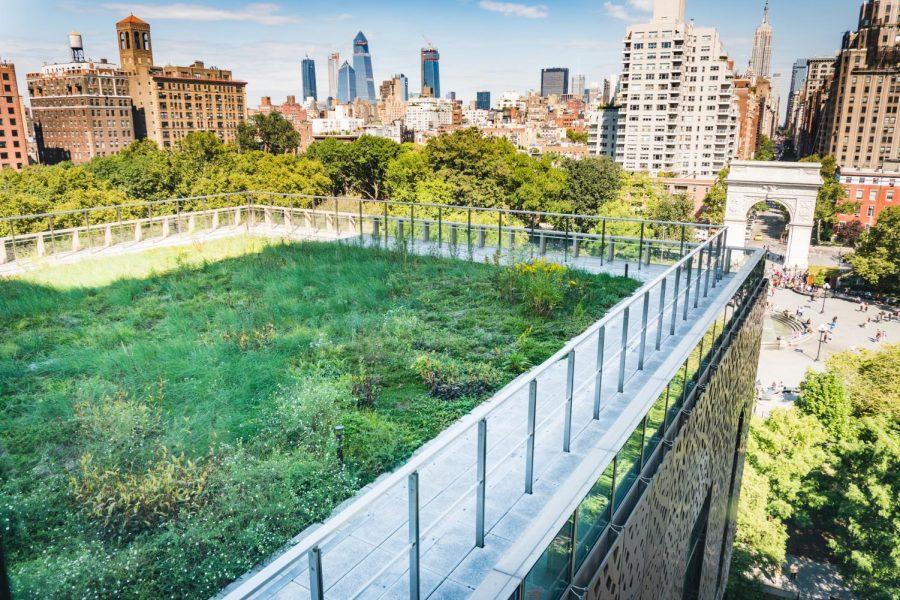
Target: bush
{"points": [[540, 285], [372, 444], [130, 502], [451, 379]]}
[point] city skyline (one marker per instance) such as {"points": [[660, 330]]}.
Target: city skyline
{"points": [[259, 42]]}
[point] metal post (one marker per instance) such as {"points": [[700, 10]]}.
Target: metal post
{"points": [[529, 446], [727, 261], [482, 233], [316, 586], [469, 230], [412, 223], [641, 247], [645, 313], [602, 240], [386, 224], [570, 390], [621, 386], [87, 229], [666, 411], [717, 275], [598, 378], [675, 300], [708, 271], [687, 287], [699, 277], [337, 219], [499, 231], [566, 243], [643, 441], [413, 485], [681, 248], [479, 494], [661, 317], [360, 222], [612, 488]]}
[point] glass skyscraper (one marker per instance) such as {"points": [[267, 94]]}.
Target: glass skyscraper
{"points": [[362, 65], [483, 100], [346, 84], [308, 68], [554, 82], [431, 72]]}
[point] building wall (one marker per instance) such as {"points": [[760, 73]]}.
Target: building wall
{"points": [[13, 141], [80, 111], [873, 191], [648, 559]]}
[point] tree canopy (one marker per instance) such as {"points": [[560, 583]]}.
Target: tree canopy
{"points": [[876, 257]]}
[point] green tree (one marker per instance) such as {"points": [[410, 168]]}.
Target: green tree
{"points": [[713, 209], [577, 137], [591, 182], [832, 198], [405, 172], [765, 148], [877, 255], [270, 133], [823, 396], [335, 156], [369, 158]]}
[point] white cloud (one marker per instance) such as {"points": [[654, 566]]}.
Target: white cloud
{"points": [[537, 11], [617, 11], [262, 13], [642, 5]]}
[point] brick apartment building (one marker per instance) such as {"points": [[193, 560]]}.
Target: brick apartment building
{"points": [[13, 141], [872, 190]]}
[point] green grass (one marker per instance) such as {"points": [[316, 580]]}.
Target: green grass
{"points": [[166, 419]]}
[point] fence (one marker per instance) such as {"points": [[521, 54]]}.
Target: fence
{"points": [[457, 230]]}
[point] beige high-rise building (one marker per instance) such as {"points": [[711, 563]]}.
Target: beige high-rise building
{"points": [[761, 57], [860, 120], [13, 140], [678, 113], [80, 109], [172, 101]]}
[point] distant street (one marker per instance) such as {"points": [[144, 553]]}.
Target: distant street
{"points": [[766, 230]]}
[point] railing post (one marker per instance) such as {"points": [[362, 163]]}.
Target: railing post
{"points": [[414, 536], [386, 228], [727, 261], [602, 240], [316, 586], [624, 349], [699, 277], [482, 473], [645, 314], [687, 287], [681, 248], [469, 230], [529, 445], [576, 244], [612, 251], [441, 226], [675, 300], [87, 229], [641, 247], [543, 244], [499, 231], [360, 213], [598, 377], [482, 234], [661, 317], [337, 219], [426, 232], [570, 390], [412, 223], [709, 264], [453, 236], [566, 243], [107, 236], [40, 244]]}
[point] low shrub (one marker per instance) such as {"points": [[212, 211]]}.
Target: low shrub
{"points": [[130, 502], [365, 389], [542, 286], [450, 379]]}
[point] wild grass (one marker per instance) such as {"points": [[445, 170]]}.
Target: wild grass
{"points": [[166, 419]]}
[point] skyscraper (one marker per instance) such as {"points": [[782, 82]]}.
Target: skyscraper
{"points": [[678, 112], [578, 86], [334, 65], [761, 58], [13, 146], [483, 100], [431, 73], [362, 65], [309, 79], [554, 82], [346, 84], [798, 80]]}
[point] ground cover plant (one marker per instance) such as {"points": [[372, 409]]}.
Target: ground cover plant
{"points": [[163, 432]]}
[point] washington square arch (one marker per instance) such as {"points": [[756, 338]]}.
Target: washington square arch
{"points": [[792, 185]]}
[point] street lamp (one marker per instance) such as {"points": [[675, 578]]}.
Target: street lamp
{"points": [[823, 331], [825, 289]]}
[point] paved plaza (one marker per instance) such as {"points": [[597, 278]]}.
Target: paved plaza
{"points": [[788, 365]]}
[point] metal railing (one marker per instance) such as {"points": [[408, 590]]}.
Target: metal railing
{"points": [[454, 228]]}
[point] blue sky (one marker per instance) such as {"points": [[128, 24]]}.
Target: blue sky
{"points": [[495, 45]]}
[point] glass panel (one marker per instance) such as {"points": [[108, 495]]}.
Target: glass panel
{"points": [[629, 464], [655, 423], [593, 516], [549, 578]]}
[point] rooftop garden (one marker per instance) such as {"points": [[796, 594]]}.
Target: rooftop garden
{"points": [[167, 419]]}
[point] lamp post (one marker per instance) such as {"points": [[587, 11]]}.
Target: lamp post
{"points": [[823, 331], [825, 289]]}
